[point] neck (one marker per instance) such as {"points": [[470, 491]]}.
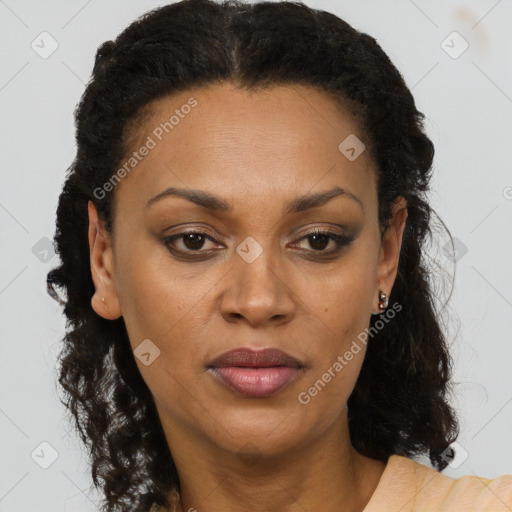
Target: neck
{"points": [[325, 473]]}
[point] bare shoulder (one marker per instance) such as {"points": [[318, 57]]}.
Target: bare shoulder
{"points": [[409, 486], [467, 493]]}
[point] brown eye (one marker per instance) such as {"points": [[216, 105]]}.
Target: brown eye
{"points": [[192, 241], [319, 240]]}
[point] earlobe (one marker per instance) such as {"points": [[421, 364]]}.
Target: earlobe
{"points": [[105, 301]]}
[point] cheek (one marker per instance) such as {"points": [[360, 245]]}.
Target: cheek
{"points": [[159, 306], [163, 304], [341, 304], [156, 296], [343, 298]]}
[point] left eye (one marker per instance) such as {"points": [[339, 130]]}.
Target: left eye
{"points": [[318, 240]]}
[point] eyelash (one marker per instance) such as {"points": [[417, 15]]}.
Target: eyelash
{"points": [[340, 240]]}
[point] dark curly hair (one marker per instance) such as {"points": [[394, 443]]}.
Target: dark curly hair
{"points": [[400, 402]]}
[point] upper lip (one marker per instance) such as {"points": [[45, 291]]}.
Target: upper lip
{"points": [[250, 358]]}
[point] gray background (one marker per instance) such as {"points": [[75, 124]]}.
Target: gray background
{"points": [[467, 98]]}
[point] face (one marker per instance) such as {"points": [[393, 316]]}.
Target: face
{"points": [[243, 225]]}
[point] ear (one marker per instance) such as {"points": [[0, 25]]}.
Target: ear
{"points": [[105, 301], [390, 249]]}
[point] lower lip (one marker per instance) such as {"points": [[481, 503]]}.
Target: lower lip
{"points": [[256, 382]]}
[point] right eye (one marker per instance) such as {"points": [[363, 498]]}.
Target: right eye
{"points": [[191, 242]]}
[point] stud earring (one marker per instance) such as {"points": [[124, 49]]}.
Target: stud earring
{"points": [[383, 300], [103, 302]]}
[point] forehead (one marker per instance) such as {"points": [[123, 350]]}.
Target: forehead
{"points": [[238, 143]]}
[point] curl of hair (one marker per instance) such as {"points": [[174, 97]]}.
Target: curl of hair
{"points": [[400, 402]]}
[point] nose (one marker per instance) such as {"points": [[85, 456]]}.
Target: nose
{"points": [[257, 292]]}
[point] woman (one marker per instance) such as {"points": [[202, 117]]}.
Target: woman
{"points": [[251, 325]]}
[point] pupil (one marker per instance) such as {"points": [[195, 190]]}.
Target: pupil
{"points": [[194, 241], [316, 237]]}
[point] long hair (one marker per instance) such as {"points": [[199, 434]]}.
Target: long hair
{"points": [[400, 401]]}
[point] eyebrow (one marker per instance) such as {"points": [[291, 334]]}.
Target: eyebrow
{"points": [[211, 202]]}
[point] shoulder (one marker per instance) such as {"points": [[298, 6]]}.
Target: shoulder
{"points": [[409, 486]]}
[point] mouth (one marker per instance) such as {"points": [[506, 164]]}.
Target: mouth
{"points": [[253, 373]]}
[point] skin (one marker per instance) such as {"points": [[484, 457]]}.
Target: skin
{"points": [[256, 151]]}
